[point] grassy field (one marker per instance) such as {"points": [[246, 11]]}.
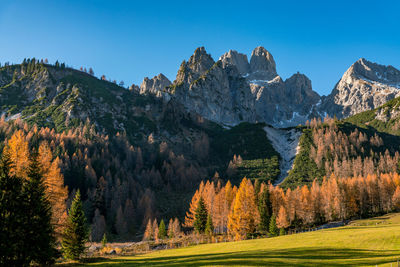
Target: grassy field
{"points": [[362, 243]]}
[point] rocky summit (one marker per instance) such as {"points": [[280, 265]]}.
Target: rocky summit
{"points": [[234, 89], [364, 86]]}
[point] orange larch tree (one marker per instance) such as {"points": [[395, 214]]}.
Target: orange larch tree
{"points": [[282, 219], [56, 192], [18, 149], [244, 215]]}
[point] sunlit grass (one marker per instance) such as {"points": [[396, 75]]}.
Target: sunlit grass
{"points": [[363, 243]]}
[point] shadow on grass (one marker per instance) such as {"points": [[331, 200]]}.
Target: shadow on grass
{"points": [[298, 257]]}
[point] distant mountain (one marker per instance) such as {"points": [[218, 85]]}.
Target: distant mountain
{"points": [[364, 86], [234, 89]]}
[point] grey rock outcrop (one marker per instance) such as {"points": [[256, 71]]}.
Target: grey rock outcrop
{"points": [[262, 65], [236, 59], [213, 89], [156, 86]]}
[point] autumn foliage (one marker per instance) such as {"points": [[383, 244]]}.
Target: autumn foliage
{"points": [[332, 200], [18, 149]]}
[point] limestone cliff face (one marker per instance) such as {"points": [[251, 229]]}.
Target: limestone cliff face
{"points": [[214, 90], [155, 86], [364, 86], [233, 89], [262, 65]]}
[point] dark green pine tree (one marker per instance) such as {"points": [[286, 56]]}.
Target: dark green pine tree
{"points": [[104, 241], [12, 218], [282, 231], [209, 226], [200, 217], [162, 230], [265, 210], [40, 240], [76, 232], [273, 229], [25, 215]]}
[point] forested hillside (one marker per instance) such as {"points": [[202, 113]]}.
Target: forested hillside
{"points": [[133, 157], [343, 148]]}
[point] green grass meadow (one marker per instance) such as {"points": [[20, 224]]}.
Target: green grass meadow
{"points": [[362, 243]]}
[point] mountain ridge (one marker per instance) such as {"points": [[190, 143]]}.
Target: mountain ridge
{"points": [[237, 89]]}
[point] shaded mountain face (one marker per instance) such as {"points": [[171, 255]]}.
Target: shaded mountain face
{"points": [[364, 86], [234, 89]]}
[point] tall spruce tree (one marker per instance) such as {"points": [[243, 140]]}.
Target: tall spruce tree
{"points": [[12, 217], [209, 226], [264, 208], [40, 238], [200, 217], [76, 232], [25, 215], [162, 230], [273, 229]]}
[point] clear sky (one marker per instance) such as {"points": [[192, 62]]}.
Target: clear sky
{"points": [[128, 40]]}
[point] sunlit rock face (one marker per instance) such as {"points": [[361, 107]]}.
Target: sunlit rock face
{"points": [[234, 89]]}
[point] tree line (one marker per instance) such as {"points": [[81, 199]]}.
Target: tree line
{"points": [[256, 208]]}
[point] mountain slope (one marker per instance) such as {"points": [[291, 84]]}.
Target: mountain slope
{"points": [[385, 118]]}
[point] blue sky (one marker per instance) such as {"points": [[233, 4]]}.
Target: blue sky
{"points": [[128, 40]]}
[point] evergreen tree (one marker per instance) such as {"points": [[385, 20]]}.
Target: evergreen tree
{"points": [[200, 217], [264, 208], [25, 215], [273, 229], [282, 231], [12, 218], [162, 231], [76, 232], [104, 241], [40, 235], [209, 226]]}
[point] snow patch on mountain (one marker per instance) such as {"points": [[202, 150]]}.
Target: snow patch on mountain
{"points": [[286, 143]]}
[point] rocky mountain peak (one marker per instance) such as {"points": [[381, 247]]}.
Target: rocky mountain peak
{"points": [[200, 61], [236, 59], [196, 66], [262, 64], [370, 71], [233, 89], [364, 86], [155, 86]]}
